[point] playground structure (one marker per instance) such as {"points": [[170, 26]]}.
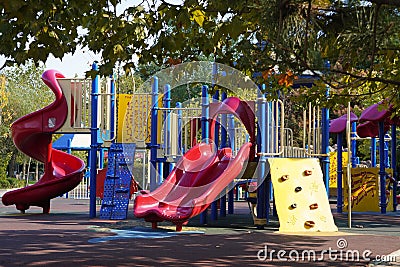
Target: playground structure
{"points": [[373, 188], [270, 118], [253, 141]]}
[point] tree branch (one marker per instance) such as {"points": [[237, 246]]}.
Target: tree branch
{"points": [[306, 30], [386, 2], [169, 4], [374, 79], [374, 40]]}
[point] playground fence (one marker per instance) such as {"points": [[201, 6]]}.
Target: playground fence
{"points": [[81, 191]]}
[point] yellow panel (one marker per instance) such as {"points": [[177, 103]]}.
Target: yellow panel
{"points": [[134, 121], [365, 190], [333, 168], [124, 128], [300, 195]]}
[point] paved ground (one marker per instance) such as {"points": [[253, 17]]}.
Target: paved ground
{"points": [[67, 237]]}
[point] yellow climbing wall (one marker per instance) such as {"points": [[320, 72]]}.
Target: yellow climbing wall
{"points": [[300, 195]]}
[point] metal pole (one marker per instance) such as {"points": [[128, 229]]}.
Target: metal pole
{"points": [[112, 107], [101, 159], [325, 144], [94, 129], [179, 106], [394, 166], [167, 129], [69, 151], [269, 129], [154, 131], [231, 130], [261, 147], [348, 131], [204, 132], [214, 205], [167, 104], [354, 159], [382, 172], [339, 171], [160, 173], [222, 208], [386, 157]]}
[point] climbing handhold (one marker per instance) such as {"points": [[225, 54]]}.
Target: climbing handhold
{"points": [[314, 206], [298, 189], [285, 177], [293, 206], [307, 172], [309, 224]]}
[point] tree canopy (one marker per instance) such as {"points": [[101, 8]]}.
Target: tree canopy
{"points": [[22, 91], [359, 38]]}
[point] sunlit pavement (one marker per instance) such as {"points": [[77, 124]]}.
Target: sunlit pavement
{"points": [[67, 237]]}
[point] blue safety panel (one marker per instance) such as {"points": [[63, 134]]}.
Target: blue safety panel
{"points": [[118, 181]]}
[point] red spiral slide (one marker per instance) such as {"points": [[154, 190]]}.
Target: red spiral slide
{"points": [[32, 135]]}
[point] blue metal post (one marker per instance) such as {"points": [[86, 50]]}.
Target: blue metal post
{"points": [[153, 137], [373, 152], [268, 136], [69, 151], [112, 107], [214, 205], [101, 159], [339, 172], [354, 158], [217, 124], [382, 172], [394, 165], [94, 129], [325, 144], [204, 131], [167, 129], [205, 111], [222, 208], [387, 161], [269, 196], [160, 173], [261, 147], [179, 106], [231, 130], [269, 141], [167, 104]]}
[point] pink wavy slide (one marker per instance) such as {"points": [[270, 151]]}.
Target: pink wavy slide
{"points": [[198, 178], [32, 135]]}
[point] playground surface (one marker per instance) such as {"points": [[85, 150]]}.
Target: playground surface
{"points": [[67, 237]]}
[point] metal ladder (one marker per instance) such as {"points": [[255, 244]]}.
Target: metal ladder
{"points": [[118, 181]]}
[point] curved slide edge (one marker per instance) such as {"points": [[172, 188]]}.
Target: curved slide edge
{"points": [[186, 193], [32, 135]]}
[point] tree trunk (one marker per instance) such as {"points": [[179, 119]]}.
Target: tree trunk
{"points": [[27, 173], [11, 166], [23, 169]]}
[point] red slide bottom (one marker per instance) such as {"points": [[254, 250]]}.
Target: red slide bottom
{"points": [[196, 181]]}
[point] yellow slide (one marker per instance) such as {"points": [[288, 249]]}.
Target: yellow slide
{"points": [[300, 195]]}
